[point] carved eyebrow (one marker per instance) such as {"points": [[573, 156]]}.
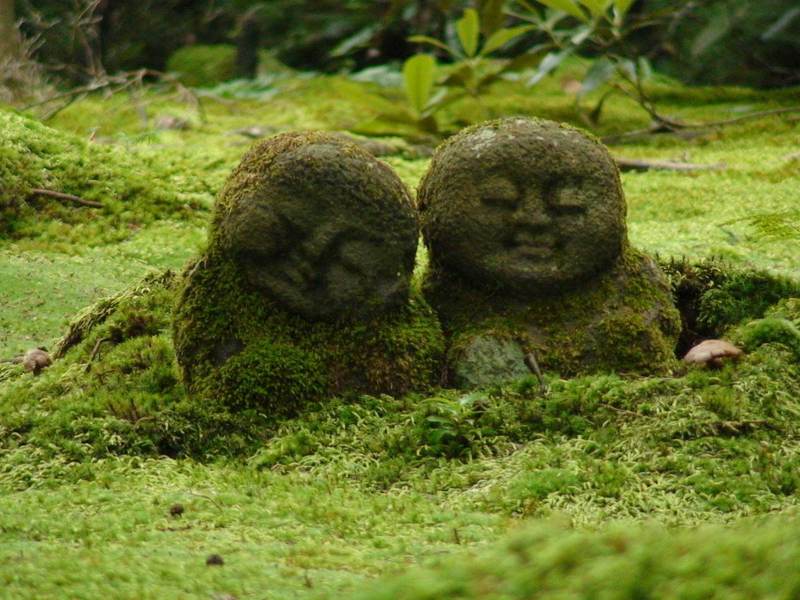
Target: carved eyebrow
{"points": [[568, 196], [500, 188]]}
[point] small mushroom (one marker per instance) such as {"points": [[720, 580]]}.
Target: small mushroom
{"points": [[36, 360], [713, 353]]}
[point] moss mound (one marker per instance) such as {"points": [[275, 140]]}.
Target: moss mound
{"points": [[133, 189], [551, 560], [203, 65], [713, 296], [114, 389]]}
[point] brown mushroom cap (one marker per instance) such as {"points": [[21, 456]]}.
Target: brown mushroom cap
{"points": [[712, 352]]}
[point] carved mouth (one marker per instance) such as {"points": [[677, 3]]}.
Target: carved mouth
{"points": [[533, 250], [533, 246]]}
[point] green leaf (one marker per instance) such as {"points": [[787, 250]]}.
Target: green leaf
{"points": [[530, 59], [596, 7], [419, 72], [549, 64], [601, 71], [468, 28], [491, 14], [567, 6], [623, 6], [502, 36], [424, 39]]}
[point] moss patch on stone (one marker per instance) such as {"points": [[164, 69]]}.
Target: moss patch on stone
{"points": [[234, 344]]}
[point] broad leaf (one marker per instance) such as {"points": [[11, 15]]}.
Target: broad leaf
{"points": [[601, 71], [567, 6], [419, 72], [469, 28], [623, 6], [548, 64], [596, 7], [491, 16], [502, 36], [424, 39]]}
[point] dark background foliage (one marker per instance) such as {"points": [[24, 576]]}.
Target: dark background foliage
{"points": [[710, 42]]}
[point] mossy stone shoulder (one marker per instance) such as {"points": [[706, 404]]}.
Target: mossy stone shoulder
{"points": [[525, 223], [304, 289], [623, 321]]}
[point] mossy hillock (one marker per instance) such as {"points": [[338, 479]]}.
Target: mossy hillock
{"points": [[128, 188], [114, 389], [551, 560], [713, 296], [203, 65], [706, 445]]}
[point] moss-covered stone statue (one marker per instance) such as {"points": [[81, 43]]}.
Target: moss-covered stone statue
{"points": [[304, 288], [525, 224]]}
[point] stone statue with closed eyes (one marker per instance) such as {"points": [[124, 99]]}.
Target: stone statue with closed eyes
{"points": [[524, 220], [304, 290]]}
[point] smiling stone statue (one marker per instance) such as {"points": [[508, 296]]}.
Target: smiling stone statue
{"points": [[525, 223], [304, 290]]}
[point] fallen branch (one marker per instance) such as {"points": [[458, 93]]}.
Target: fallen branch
{"points": [[63, 196], [664, 125], [629, 164], [95, 352]]}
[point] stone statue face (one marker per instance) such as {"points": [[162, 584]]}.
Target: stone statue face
{"points": [[320, 226], [525, 205]]}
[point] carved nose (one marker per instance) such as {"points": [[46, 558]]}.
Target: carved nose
{"points": [[533, 211]]}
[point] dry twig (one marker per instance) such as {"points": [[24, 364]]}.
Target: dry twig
{"points": [[63, 196]]}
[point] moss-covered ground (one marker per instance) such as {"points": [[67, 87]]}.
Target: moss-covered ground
{"points": [[605, 486]]}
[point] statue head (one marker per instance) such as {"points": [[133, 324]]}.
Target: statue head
{"points": [[530, 206], [319, 226]]}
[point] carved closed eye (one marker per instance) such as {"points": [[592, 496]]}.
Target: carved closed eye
{"points": [[499, 193], [568, 199]]}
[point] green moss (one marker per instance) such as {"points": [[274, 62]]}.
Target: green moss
{"points": [[552, 560], [133, 190], [226, 331], [203, 66], [714, 295], [114, 389], [623, 321], [769, 330]]}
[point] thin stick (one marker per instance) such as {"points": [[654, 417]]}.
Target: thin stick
{"points": [[63, 196], [628, 164], [95, 352], [664, 125], [533, 367]]}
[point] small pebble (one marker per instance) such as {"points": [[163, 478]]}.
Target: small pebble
{"points": [[215, 560]]}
